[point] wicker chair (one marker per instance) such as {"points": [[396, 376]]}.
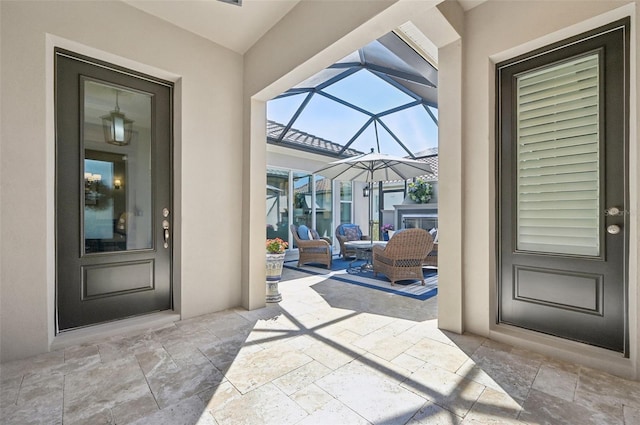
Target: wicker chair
{"points": [[431, 260], [312, 250], [343, 237], [403, 256], [432, 257]]}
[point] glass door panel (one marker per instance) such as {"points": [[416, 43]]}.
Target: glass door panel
{"points": [[558, 158], [117, 168], [277, 204], [324, 207], [346, 200]]}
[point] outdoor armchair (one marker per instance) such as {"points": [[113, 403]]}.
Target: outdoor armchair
{"points": [[432, 257], [349, 232], [311, 250], [403, 256]]}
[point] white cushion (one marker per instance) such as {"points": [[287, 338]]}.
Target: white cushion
{"points": [[434, 234]]}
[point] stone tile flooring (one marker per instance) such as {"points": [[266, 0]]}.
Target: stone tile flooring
{"points": [[330, 353]]}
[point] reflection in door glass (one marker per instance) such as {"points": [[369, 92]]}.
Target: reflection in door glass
{"points": [[117, 169]]}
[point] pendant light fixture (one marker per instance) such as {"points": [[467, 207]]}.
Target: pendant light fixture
{"points": [[117, 127]]}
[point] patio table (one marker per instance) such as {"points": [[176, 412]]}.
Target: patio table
{"points": [[362, 251]]}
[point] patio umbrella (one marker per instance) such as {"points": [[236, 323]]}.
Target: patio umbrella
{"points": [[374, 167]]}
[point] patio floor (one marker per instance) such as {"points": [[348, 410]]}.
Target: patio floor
{"points": [[330, 353]]}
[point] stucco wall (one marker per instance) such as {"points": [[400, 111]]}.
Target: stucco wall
{"points": [[496, 31], [208, 155]]}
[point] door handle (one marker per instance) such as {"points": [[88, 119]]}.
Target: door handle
{"points": [[165, 226]]}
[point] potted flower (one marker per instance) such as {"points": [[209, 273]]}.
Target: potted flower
{"points": [[420, 191], [275, 260], [385, 231]]}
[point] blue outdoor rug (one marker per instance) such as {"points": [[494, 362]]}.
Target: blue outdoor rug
{"points": [[408, 288]]}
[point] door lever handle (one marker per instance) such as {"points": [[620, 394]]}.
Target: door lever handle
{"points": [[165, 226]]}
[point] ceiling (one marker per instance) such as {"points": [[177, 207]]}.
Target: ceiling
{"points": [[234, 27]]}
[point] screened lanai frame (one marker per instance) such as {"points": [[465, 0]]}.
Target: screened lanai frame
{"points": [[381, 97]]}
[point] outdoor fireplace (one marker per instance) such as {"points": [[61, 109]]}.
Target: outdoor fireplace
{"points": [[423, 216]]}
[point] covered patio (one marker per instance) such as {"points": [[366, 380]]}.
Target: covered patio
{"points": [[329, 353]]}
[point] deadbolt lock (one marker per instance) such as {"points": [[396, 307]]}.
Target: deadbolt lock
{"points": [[615, 211]]}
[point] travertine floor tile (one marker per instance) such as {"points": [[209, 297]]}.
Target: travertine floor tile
{"points": [[39, 400], [631, 415], [541, 408], [376, 399], [556, 382], [431, 413], [90, 392], [599, 390], [329, 353], [383, 343], [256, 369], [171, 385], [264, 405], [301, 377], [9, 392], [33, 365], [444, 388], [131, 410], [494, 407], [334, 412], [332, 356], [311, 398], [408, 362], [442, 355], [511, 372], [189, 411], [218, 398]]}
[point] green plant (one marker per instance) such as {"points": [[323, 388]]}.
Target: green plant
{"points": [[276, 246], [420, 191]]}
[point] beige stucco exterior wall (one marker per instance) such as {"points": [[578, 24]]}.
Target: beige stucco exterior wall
{"points": [[220, 138], [496, 31], [208, 155]]}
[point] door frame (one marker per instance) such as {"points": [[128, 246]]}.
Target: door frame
{"points": [[629, 225], [58, 340]]}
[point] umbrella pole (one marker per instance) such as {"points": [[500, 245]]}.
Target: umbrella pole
{"points": [[369, 266], [371, 213]]}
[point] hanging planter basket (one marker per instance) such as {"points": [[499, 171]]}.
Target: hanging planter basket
{"points": [[420, 191]]}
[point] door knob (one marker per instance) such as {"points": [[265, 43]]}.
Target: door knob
{"points": [[613, 229]]}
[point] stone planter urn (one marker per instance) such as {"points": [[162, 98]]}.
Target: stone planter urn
{"points": [[274, 274]]}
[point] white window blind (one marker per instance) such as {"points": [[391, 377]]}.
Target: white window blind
{"points": [[558, 158]]}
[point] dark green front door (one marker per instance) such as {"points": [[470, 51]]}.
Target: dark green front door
{"points": [[562, 172], [113, 192]]}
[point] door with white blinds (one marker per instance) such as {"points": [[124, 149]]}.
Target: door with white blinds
{"points": [[562, 172]]}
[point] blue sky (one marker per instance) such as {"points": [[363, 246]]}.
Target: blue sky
{"points": [[333, 121]]}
